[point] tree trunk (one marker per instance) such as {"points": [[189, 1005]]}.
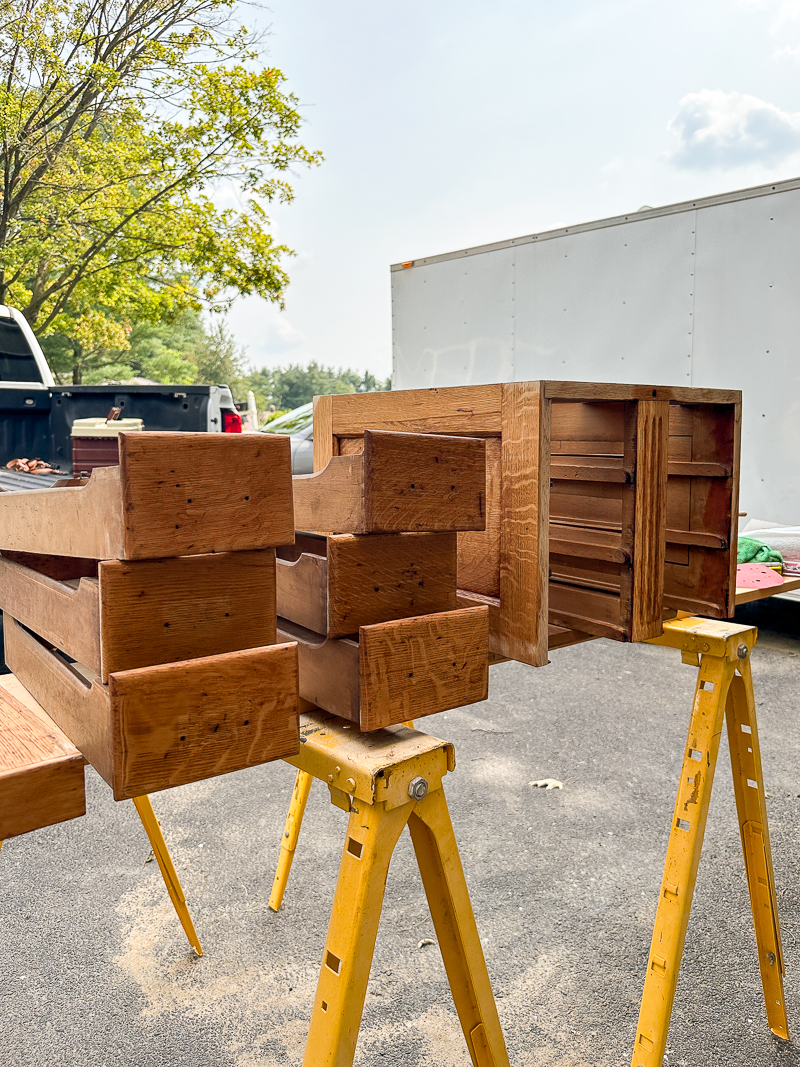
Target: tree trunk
{"points": [[77, 374]]}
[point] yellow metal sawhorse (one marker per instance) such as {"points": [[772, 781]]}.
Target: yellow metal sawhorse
{"points": [[386, 780], [724, 689], [152, 828]]}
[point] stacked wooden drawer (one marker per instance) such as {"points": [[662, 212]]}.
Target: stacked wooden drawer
{"points": [[139, 608], [608, 506], [369, 589]]}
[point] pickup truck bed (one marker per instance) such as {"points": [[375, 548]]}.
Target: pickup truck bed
{"points": [[13, 480], [36, 421]]}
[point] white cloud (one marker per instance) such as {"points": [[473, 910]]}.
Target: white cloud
{"points": [[613, 166], [783, 21], [267, 333], [719, 129]]}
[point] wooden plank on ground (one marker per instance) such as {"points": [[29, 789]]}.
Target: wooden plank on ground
{"points": [[41, 771]]}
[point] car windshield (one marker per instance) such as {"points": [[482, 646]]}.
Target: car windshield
{"points": [[293, 421]]}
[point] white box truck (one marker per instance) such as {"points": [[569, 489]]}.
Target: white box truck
{"points": [[704, 293]]}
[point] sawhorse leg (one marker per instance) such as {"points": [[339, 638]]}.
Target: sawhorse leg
{"points": [[291, 832], [748, 784], [392, 778], [724, 689], [168, 872], [454, 922]]}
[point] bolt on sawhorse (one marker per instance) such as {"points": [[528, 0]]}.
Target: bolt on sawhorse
{"points": [[387, 779], [721, 650]]}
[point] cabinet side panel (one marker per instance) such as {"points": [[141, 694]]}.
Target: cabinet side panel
{"points": [[525, 506]]}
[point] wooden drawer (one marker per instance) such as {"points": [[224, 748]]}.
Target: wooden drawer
{"points": [[157, 727], [41, 771], [335, 585], [173, 494], [143, 612], [397, 482], [395, 671]]}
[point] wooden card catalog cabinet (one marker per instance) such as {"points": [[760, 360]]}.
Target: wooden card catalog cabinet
{"points": [[607, 506]]}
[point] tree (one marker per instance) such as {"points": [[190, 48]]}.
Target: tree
{"points": [[220, 361], [295, 385], [166, 352], [120, 125]]}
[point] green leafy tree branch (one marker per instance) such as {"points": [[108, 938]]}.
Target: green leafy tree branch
{"points": [[123, 128]]}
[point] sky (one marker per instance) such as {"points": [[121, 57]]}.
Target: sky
{"points": [[450, 124]]}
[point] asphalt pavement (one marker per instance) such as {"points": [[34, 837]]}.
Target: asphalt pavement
{"points": [[95, 970]]}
